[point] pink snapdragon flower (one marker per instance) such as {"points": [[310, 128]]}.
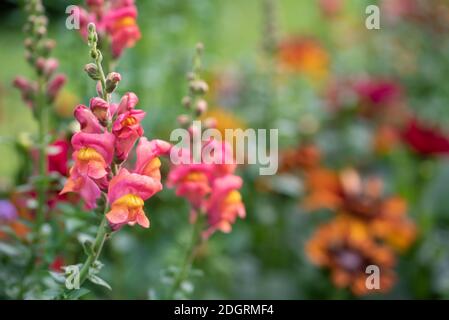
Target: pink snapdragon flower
{"points": [[148, 152], [126, 194], [92, 157], [225, 204], [210, 186], [127, 128], [116, 20]]}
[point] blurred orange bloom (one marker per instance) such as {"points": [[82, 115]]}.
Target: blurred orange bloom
{"points": [[362, 200], [305, 56], [304, 157], [385, 139], [343, 247]]}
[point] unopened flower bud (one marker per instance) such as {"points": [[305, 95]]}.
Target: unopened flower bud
{"points": [[186, 102], [55, 85], [190, 76], [91, 27], [99, 89], [199, 86], [28, 43], [50, 66], [183, 119], [92, 71], [201, 107], [40, 64], [21, 83], [210, 122], [41, 31], [112, 81], [199, 47]]}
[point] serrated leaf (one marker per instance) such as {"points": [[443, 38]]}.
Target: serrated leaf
{"points": [[97, 280]]}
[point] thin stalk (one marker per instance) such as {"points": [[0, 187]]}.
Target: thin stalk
{"points": [[189, 258], [102, 234], [41, 186]]}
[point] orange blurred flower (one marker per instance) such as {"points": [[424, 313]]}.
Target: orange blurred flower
{"points": [[304, 157], [362, 200], [305, 56], [385, 139], [343, 247]]}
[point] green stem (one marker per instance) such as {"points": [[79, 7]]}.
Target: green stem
{"points": [[189, 258], [102, 234], [41, 186]]}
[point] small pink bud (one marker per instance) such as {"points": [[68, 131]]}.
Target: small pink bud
{"points": [[112, 81], [55, 85], [50, 66], [92, 71], [186, 102], [40, 64], [201, 107], [183, 119], [99, 89], [21, 83], [210, 123]]}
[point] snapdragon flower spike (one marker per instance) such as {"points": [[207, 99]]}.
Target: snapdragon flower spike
{"points": [[116, 19], [126, 127], [126, 194], [225, 204]]}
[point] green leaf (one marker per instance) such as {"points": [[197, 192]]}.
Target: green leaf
{"points": [[8, 250], [97, 280], [76, 294]]}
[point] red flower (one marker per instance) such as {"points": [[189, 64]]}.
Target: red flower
{"points": [[425, 140]]}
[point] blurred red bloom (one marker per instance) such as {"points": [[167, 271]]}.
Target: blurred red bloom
{"points": [[425, 140], [58, 157]]}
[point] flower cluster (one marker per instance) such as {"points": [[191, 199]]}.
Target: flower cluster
{"points": [[99, 151], [209, 185], [303, 55], [347, 194], [367, 228], [115, 21], [347, 252]]}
